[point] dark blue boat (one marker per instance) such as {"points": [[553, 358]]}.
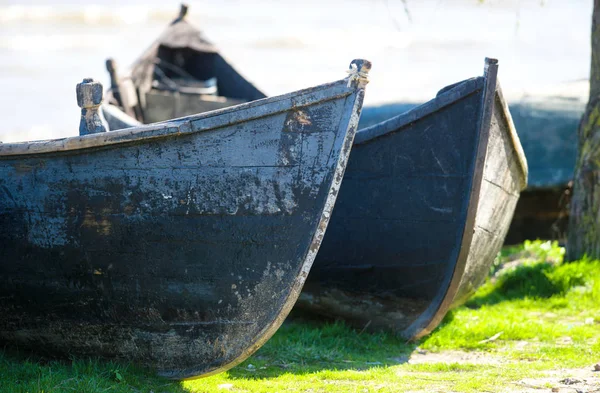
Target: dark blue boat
{"points": [[181, 245], [423, 210]]}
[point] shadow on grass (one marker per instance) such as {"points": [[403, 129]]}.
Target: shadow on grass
{"points": [[299, 347], [24, 371], [537, 280], [307, 346]]}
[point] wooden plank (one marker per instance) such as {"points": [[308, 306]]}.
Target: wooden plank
{"points": [[202, 122]]}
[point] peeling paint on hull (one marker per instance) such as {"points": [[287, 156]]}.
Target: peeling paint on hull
{"points": [[180, 245]]}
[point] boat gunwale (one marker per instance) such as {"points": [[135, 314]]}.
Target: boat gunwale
{"points": [[456, 92], [446, 98], [514, 136], [179, 126]]}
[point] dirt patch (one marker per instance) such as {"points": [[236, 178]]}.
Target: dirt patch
{"points": [[420, 357], [471, 357], [584, 380], [581, 380]]}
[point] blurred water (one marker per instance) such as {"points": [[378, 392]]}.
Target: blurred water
{"points": [[47, 47]]}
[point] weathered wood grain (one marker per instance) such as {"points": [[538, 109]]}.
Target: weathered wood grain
{"points": [[504, 176], [180, 245]]}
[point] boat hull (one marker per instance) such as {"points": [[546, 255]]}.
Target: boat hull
{"points": [[503, 180], [423, 210], [183, 248]]}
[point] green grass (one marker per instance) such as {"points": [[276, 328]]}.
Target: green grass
{"points": [[542, 315]]}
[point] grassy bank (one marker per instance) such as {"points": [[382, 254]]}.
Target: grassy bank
{"points": [[534, 320]]}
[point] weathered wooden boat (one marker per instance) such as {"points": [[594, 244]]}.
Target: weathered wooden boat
{"points": [[425, 205], [181, 245], [180, 74]]}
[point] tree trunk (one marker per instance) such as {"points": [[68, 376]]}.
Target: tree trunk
{"points": [[584, 223]]}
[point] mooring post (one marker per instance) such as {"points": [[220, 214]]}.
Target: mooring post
{"points": [[359, 72], [89, 98]]}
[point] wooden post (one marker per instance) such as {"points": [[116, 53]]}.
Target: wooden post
{"points": [[123, 91], [111, 67], [89, 98], [183, 10], [359, 72]]}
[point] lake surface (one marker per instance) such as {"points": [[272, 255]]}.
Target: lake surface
{"points": [[46, 48]]}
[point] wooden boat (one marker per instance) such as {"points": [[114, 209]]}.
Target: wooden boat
{"points": [[181, 245], [180, 74], [425, 205]]}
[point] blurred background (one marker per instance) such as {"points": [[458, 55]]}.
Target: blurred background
{"points": [[417, 47]]}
